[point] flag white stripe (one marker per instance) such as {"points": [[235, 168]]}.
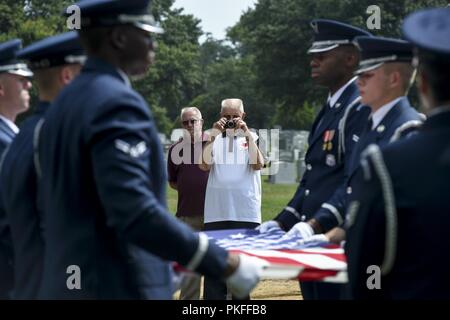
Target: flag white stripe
{"points": [[317, 261]]}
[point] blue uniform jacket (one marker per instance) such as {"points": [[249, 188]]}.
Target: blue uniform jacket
{"points": [[419, 172], [331, 143], [20, 205], [6, 257], [332, 213], [103, 189], [6, 136]]}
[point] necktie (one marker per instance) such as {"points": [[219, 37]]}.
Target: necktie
{"points": [[369, 124]]}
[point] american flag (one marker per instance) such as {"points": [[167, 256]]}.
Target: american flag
{"points": [[289, 257]]}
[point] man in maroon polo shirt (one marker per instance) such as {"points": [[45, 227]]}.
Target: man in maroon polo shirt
{"points": [[186, 177]]}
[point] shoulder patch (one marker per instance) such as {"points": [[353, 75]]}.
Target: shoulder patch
{"points": [[134, 151]]}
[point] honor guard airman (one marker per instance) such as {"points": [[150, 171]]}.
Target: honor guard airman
{"points": [[14, 99], [55, 61], [399, 214], [103, 176], [384, 78], [334, 134]]}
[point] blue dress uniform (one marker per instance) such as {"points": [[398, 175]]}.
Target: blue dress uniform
{"points": [[399, 121], [8, 64], [400, 210], [333, 135], [6, 135], [18, 173], [103, 185]]}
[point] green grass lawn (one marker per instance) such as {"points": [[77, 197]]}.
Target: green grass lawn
{"points": [[274, 198]]}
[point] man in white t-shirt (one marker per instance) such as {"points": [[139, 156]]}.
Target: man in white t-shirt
{"points": [[233, 192]]}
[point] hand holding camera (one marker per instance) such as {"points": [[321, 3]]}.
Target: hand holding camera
{"points": [[230, 124], [218, 127], [240, 124], [224, 124]]}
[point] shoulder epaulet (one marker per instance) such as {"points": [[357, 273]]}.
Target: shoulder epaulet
{"points": [[405, 129]]}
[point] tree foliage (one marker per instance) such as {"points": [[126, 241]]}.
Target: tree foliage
{"points": [[264, 60], [233, 78], [277, 34]]}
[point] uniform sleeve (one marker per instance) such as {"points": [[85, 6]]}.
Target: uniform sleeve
{"points": [[172, 169], [121, 155], [6, 255], [332, 213]]}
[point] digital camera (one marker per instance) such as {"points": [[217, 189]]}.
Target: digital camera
{"points": [[230, 124]]}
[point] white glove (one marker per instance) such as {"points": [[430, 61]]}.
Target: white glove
{"points": [[246, 276], [301, 229], [177, 278], [267, 226], [317, 238]]}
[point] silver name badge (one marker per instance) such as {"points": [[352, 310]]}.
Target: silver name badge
{"points": [[330, 160]]}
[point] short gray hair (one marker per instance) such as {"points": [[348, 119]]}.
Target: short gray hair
{"points": [[233, 103], [194, 109]]}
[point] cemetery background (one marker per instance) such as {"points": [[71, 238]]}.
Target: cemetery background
{"points": [[285, 150]]}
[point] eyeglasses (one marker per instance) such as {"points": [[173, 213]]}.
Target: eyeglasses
{"points": [[192, 122]]}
